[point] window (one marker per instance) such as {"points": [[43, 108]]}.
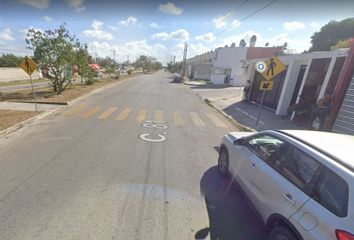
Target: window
{"points": [[265, 146], [331, 192], [297, 167]]}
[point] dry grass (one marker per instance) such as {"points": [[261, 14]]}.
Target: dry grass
{"points": [[9, 118]]}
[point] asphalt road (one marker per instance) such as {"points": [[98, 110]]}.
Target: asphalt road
{"points": [[135, 161], [22, 86]]}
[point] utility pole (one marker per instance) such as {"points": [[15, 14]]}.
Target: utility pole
{"points": [[174, 59], [114, 57], [184, 60]]}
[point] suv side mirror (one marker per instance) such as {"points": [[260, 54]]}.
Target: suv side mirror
{"points": [[239, 141]]}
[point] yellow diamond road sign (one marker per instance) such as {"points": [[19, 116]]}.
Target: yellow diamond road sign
{"points": [[273, 67], [28, 65], [266, 85]]}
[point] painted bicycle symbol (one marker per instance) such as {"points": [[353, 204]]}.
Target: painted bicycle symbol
{"points": [[153, 138]]}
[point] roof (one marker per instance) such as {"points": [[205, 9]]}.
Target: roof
{"points": [[339, 146]]}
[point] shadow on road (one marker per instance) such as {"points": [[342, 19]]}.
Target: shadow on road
{"points": [[230, 217]]}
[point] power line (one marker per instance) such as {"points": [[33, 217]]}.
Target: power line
{"points": [[248, 16], [230, 14]]}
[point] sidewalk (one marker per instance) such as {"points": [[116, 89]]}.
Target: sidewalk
{"points": [[229, 100], [28, 106]]}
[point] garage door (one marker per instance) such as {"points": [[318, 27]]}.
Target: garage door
{"points": [[345, 119]]}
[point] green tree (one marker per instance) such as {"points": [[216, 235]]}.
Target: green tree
{"points": [[147, 63], [174, 67], [10, 60], [331, 33], [82, 63], [56, 53]]}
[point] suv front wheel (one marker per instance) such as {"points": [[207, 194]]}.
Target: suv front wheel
{"points": [[281, 233], [223, 163]]}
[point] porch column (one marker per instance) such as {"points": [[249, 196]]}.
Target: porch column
{"points": [[288, 88], [327, 77]]}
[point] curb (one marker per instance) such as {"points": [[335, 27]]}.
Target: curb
{"points": [[40, 102], [248, 129], [28, 122]]}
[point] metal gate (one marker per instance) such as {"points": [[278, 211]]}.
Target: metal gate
{"points": [[345, 119]]}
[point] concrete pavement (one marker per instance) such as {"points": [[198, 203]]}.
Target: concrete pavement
{"points": [[28, 106], [129, 162], [22, 86]]}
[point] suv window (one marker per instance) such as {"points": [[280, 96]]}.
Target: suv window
{"points": [[265, 146], [298, 167], [331, 192]]}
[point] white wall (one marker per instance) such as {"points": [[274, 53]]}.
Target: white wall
{"points": [[230, 58], [217, 79], [15, 74]]}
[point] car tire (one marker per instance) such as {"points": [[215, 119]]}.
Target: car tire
{"points": [[281, 233], [223, 163]]}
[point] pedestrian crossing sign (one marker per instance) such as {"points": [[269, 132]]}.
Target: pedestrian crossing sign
{"points": [[266, 85], [28, 65], [273, 67]]}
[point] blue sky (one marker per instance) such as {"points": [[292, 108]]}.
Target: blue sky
{"points": [[160, 28]]}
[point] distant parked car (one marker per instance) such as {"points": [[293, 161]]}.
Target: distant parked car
{"points": [[177, 78], [301, 183]]}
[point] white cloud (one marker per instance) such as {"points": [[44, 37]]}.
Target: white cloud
{"points": [[6, 35], [113, 28], [97, 32], [160, 36], [41, 4], [170, 8], [220, 22], [235, 23], [132, 49], [294, 25], [130, 21], [237, 38], [315, 25], [270, 29], [47, 19], [77, 4], [180, 34], [208, 37], [155, 25]]}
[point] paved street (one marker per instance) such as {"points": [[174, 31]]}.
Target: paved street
{"points": [[130, 162]]}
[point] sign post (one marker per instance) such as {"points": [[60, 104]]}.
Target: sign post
{"points": [[29, 66], [268, 69]]}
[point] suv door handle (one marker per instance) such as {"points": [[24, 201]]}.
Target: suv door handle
{"points": [[253, 165], [289, 198]]}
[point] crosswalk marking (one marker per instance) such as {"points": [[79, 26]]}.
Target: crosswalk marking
{"points": [[158, 116], [107, 113], [177, 118], [216, 120], [72, 111], [196, 119], [124, 115], [90, 112], [141, 115]]}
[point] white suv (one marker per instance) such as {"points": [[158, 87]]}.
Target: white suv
{"points": [[301, 183]]}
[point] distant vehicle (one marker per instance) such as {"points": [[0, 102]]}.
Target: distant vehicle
{"points": [[177, 78], [301, 183]]}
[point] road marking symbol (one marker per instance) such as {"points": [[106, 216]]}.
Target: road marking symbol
{"points": [[145, 137]]}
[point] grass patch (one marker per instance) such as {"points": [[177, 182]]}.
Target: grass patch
{"points": [[9, 118]]}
